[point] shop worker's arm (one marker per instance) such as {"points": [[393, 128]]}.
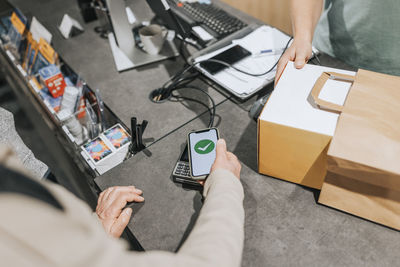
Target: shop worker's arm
{"points": [[74, 237], [304, 15]]}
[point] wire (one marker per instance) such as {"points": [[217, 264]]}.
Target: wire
{"points": [[176, 77], [213, 106], [317, 58], [180, 82]]}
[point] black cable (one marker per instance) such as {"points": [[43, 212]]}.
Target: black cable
{"points": [[213, 108], [229, 66], [179, 82], [194, 100], [316, 57]]}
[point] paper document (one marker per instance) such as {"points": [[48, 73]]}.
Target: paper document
{"points": [[263, 38]]}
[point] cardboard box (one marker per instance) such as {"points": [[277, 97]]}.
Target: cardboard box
{"points": [[52, 77], [293, 133]]}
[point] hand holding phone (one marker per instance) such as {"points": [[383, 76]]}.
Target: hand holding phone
{"points": [[226, 160], [202, 146]]}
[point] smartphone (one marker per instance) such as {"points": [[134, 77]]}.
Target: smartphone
{"points": [[230, 56], [202, 145]]}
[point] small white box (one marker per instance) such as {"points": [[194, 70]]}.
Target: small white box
{"points": [[107, 150]]}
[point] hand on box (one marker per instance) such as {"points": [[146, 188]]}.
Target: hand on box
{"points": [[300, 51], [110, 208]]}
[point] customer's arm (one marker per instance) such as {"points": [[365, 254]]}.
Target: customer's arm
{"points": [[218, 235], [73, 237], [305, 15], [217, 238]]}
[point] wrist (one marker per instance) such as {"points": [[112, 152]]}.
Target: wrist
{"points": [[304, 38]]}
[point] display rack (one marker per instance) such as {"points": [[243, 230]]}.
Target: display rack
{"points": [[10, 65]]}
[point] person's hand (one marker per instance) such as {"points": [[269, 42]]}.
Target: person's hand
{"points": [[110, 208], [226, 160], [300, 51]]}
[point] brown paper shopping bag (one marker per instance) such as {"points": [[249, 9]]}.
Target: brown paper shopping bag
{"points": [[364, 156]]}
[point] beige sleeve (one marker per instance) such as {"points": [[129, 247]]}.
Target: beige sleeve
{"points": [[48, 237], [218, 235]]}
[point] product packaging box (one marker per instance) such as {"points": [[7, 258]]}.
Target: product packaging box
{"points": [[52, 77], [293, 133]]}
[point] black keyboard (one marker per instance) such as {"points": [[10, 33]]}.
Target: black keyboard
{"points": [[215, 20]]}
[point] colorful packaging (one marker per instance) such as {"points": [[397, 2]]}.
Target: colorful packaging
{"points": [[17, 29], [107, 150], [5, 24], [28, 51], [52, 77], [55, 103], [117, 136], [45, 55], [97, 149]]}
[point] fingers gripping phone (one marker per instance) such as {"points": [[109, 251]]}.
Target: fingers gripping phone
{"points": [[202, 151]]}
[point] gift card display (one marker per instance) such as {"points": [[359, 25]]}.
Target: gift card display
{"points": [[97, 149], [117, 136], [107, 150]]}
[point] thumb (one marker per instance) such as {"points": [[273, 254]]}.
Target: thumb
{"points": [[221, 148], [301, 59], [120, 224]]}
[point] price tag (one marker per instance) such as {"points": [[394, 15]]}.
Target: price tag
{"points": [[10, 55], [49, 106], [23, 72]]}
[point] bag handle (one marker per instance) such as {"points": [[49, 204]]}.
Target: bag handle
{"points": [[319, 84]]}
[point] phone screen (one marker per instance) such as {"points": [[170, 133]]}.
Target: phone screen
{"points": [[202, 145], [230, 56]]}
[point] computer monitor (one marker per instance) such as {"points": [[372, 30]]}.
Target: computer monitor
{"points": [[122, 40]]}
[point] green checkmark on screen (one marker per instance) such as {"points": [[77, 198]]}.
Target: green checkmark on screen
{"points": [[204, 146]]}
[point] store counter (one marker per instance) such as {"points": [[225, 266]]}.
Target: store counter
{"points": [[283, 223]]}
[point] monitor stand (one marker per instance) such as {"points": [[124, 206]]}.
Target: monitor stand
{"points": [[126, 54]]}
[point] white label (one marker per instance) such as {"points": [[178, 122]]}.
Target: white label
{"points": [[49, 106], [70, 136], [10, 55], [21, 70], [166, 6]]}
